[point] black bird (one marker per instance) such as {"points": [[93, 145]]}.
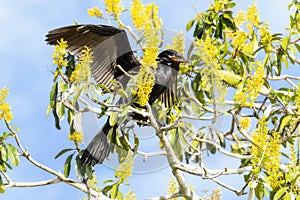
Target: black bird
{"points": [[110, 48]]}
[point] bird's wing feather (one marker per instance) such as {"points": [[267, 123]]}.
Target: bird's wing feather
{"points": [[107, 42]]}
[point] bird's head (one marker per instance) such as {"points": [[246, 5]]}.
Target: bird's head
{"points": [[171, 58]]}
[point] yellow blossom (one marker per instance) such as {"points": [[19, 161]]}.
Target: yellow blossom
{"points": [[266, 153], [130, 195], [76, 136], [266, 37], [124, 171], [177, 43], [239, 39], [247, 95], [95, 12], [172, 187], [82, 69], [146, 18], [245, 123], [208, 52], [216, 195], [113, 7], [253, 15], [240, 18], [5, 109], [59, 53]]}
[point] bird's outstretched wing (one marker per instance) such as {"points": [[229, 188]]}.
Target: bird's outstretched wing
{"points": [[109, 44]]}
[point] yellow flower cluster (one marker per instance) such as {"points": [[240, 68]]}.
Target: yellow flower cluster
{"points": [[59, 53], [240, 18], [208, 52], [266, 37], [177, 43], [82, 68], [146, 18], [130, 195], [113, 7], [251, 17], [76, 136], [239, 39], [245, 123], [95, 12], [266, 153], [172, 187], [124, 171], [252, 87], [5, 110], [273, 164], [216, 195], [93, 183], [218, 6], [211, 81]]}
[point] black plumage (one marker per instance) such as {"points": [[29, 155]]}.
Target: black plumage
{"points": [[110, 48]]}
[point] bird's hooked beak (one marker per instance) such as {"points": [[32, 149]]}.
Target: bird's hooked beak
{"points": [[180, 59]]}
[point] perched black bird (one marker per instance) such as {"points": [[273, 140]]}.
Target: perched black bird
{"points": [[110, 48]]}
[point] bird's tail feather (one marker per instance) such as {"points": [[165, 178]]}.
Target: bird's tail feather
{"points": [[98, 149]]}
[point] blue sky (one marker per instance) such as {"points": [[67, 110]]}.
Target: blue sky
{"points": [[25, 59]]}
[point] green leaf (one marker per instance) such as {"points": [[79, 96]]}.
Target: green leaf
{"points": [[190, 25], [285, 42], [56, 119], [285, 60], [2, 166], [60, 110], [13, 155], [70, 116], [136, 143], [62, 152], [123, 142], [279, 194], [289, 196], [80, 169], [77, 94], [123, 115], [122, 93], [4, 153], [7, 166], [230, 5], [298, 47], [229, 77], [2, 189], [113, 118], [67, 165], [53, 95], [107, 181], [284, 121], [259, 191], [122, 154], [104, 88], [196, 86], [106, 189], [115, 193]]}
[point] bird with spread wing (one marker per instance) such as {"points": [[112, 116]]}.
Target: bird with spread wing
{"points": [[110, 46]]}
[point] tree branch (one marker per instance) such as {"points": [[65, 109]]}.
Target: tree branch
{"points": [[184, 190], [60, 177]]}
